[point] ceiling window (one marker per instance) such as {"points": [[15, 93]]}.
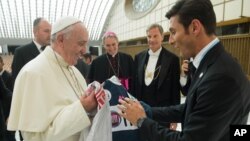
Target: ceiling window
{"points": [[17, 16]]}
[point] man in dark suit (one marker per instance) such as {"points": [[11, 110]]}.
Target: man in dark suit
{"points": [[157, 72], [219, 94], [5, 101], [6, 94], [23, 54], [6, 76]]}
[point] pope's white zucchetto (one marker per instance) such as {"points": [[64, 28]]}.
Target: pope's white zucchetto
{"points": [[63, 23]]}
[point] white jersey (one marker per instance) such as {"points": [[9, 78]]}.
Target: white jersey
{"points": [[100, 129]]}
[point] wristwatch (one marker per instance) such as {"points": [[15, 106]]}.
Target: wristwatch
{"points": [[140, 121]]}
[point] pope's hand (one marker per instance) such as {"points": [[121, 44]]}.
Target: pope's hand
{"points": [[89, 102]]}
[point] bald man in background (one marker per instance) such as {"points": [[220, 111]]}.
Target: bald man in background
{"points": [[23, 54]]}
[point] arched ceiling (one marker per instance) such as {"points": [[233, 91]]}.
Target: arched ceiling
{"points": [[16, 16]]}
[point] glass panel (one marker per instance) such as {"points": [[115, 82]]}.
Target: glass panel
{"points": [[17, 16], [142, 5]]}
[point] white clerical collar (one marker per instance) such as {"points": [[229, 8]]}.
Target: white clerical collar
{"points": [[38, 46], [203, 52], [157, 53], [61, 60], [57, 56], [113, 54]]}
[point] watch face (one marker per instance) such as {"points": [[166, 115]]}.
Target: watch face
{"points": [[143, 5]]}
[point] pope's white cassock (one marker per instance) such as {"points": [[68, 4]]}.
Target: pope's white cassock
{"points": [[45, 107]]}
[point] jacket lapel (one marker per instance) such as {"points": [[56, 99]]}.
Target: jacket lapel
{"points": [[142, 64], [208, 60], [33, 49], [164, 66]]}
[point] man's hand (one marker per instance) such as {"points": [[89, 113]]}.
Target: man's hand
{"points": [[173, 126], [184, 67], [132, 110]]}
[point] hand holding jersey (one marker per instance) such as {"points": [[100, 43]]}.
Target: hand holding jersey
{"points": [[88, 102]]}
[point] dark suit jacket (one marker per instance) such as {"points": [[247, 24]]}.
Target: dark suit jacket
{"points": [[100, 69], [6, 76], [218, 97], [83, 68], [22, 56], [5, 101], [184, 89], [168, 88]]}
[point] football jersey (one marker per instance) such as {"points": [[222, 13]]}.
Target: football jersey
{"points": [[122, 129], [100, 129]]}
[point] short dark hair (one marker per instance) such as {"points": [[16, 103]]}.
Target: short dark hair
{"points": [[36, 22], [155, 26], [187, 10], [87, 55]]}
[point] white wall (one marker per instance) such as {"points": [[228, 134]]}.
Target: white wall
{"points": [[128, 29], [4, 49]]}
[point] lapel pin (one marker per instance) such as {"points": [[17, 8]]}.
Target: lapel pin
{"points": [[201, 74]]}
